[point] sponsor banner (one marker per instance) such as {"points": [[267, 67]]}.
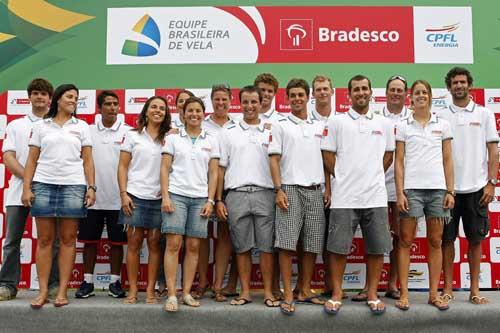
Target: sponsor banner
{"points": [[495, 249], [30, 227], [169, 95], [484, 275], [2, 175], [121, 99], [86, 102], [494, 224], [492, 98], [34, 283], [79, 252], [443, 35], [418, 276], [456, 278], [357, 253], [26, 251], [418, 250], [102, 276], [494, 206], [256, 277], [1, 230], [18, 102], [3, 126], [103, 251], [306, 34], [135, 99], [354, 276], [76, 278], [319, 275], [485, 250]]}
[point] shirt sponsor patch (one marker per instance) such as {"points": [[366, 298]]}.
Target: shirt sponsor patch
{"points": [[475, 123], [437, 132], [206, 149], [376, 132], [75, 133]]}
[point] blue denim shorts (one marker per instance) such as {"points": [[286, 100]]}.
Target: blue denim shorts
{"points": [[146, 214], [53, 200], [428, 203], [186, 219]]}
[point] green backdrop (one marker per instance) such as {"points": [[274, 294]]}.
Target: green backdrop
{"points": [[78, 54]]}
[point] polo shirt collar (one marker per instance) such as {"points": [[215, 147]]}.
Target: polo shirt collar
{"points": [[178, 123], [316, 116], [269, 113], [355, 116], [244, 126], [114, 127], [31, 116], [296, 120], [411, 119], [73, 120], [403, 113], [469, 108], [183, 133], [230, 121]]}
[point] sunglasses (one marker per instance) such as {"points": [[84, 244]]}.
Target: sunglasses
{"points": [[397, 77]]}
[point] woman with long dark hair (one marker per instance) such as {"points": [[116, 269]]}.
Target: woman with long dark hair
{"points": [[58, 186], [139, 182]]}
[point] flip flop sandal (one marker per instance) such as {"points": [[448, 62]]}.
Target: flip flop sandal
{"points": [[402, 304], [334, 309], [219, 297], [290, 310], [375, 309], [278, 296], [478, 300], [270, 303], [200, 292], [130, 300], [314, 300], [447, 297], [190, 301], [393, 294], [60, 302], [362, 296], [439, 303], [240, 301], [171, 305], [152, 300], [38, 305]]}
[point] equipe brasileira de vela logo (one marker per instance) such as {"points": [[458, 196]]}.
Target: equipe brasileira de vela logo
{"points": [[147, 27]]}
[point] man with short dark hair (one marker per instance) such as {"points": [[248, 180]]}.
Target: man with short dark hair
{"points": [[15, 152], [355, 140], [107, 134], [475, 158], [249, 203], [295, 147]]}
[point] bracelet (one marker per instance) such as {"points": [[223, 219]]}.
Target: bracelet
{"points": [[210, 201], [219, 200], [123, 192]]}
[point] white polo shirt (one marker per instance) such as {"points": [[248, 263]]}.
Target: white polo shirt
{"points": [[423, 161], [298, 142], [213, 128], [315, 115], [60, 160], [473, 128], [177, 123], [243, 152], [17, 137], [106, 143], [271, 116], [390, 182], [189, 171], [143, 178], [360, 142]]}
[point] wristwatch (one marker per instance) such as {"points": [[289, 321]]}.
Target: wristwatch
{"points": [[277, 188], [210, 201], [452, 193], [493, 181], [92, 187]]}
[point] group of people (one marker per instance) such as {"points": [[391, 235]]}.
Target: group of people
{"points": [[285, 184]]}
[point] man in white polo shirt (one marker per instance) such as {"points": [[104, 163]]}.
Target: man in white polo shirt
{"points": [[268, 84], [357, 151], [475, 158], [107, 135], [15, 152], [249, 204], [297, 172], [394, 110]]}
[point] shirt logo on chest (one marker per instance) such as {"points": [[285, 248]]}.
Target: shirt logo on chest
{"points": [[377, 132], [475, 123], [75, 133], [437, 132]]}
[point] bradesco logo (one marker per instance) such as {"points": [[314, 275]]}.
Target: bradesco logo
{"points": [[443, 36], [137, 100], [494, 100], [296, 34], [358, 35], [20, 101], [148, 28]]}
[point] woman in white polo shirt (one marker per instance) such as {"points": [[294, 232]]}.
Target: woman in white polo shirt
{"points": [[424, 186], [56, 175], [188, 183], [139, 182]]}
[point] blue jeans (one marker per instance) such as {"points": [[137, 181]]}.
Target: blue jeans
{"points": [[10, 274]]}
